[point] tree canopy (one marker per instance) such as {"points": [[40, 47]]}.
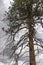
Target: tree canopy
{"points": [[25, 14]]}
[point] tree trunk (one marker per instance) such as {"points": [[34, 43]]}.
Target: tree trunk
{"points": [[16, 59], [31, 45]]}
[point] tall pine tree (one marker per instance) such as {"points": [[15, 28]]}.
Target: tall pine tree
{"points": [[25, 14]]}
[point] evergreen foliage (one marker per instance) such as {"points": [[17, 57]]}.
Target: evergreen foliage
{"points": [[25, 14]]}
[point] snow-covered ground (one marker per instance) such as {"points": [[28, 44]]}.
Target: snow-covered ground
{"points": [[4, 4]]}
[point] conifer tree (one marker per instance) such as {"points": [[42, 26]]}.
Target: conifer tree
{"points": [[25, 14]]}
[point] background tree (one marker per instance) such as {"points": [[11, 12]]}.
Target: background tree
{"points": [[25, 14]]}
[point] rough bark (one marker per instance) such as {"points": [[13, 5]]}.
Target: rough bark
{"points": [[31, 45]]}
